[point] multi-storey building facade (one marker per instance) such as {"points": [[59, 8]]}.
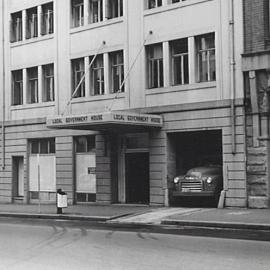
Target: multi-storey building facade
{"points": [[110, 99], [257, 82]]}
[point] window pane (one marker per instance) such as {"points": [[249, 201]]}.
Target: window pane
{"points": [[17, 87], [78, 73], [44, 147], [52, 146], [34, 147], [47, 19]]}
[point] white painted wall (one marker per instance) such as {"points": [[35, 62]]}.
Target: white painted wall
{"points": [[169, 22]]}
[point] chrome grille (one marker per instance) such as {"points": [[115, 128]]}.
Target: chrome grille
{"points": [[191, 185]]}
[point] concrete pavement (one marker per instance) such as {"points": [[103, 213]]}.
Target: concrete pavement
{"points": [[163, 219]]}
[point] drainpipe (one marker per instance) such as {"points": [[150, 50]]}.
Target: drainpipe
{"points": [[232, 74], [3, 88]]}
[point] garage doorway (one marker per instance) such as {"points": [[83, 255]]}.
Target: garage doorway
{"points": [[137, 177], [188, 150], [194, 149]]}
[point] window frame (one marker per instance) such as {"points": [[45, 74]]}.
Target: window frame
{"points": [[77, 13], [32, 85], [151, 62], [31, 23], [97, 71], [77, 75], [51, 149], [117, 67], [47, 19], [16, 27], [184, 57], [15, 89], [96, 12], [200, 52], [48, 93]]}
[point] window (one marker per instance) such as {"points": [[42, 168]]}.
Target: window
{"points": [[48, 83], [115, 9], [42, 146], [84, 144], [155, 66], [47, 19], [96, 11], [78, 73], [31, 23], [117, 71], [206, 57], [32, 84], [17, 87], [77, 13], [97, 76], [179, 52], [16, 27], [154, 3], [177, 1]]}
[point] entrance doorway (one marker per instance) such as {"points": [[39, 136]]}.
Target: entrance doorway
{"points": [[137, 177], [18, 177]]}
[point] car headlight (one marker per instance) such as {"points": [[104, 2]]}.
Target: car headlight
{"points": [[209, 180], [176, 180]]}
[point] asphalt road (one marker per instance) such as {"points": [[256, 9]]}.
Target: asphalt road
{"points": [[58, 245]]}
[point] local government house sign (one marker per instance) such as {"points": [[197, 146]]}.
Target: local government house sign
{"points": [[94, 120]]}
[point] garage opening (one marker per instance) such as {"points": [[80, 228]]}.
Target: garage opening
{"points": [[189, 150]]}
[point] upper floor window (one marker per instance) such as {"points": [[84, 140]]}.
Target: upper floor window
{"points": [[32, 85], [180, 68], [78, 73], [47, 19], [31, 23], [97, 76], [117, 71], [206, 58], [114, 9], [17, 87], [16, 27], [154, 3], [96, 11], [48, 83], [155, 66], [77, 12]]}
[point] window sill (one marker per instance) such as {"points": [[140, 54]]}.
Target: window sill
{"points": [[97, 98], [96, 25], [31, 40], [185, 87], [32, 106], [172, 6]]}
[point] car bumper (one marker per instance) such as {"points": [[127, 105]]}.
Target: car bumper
{"points": [[193, 194]]}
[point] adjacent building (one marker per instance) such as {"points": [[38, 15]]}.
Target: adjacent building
{"points": [[109, 99], [257, 86]]}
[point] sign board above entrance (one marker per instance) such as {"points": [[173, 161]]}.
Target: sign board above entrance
{"points": [[94, 120]]}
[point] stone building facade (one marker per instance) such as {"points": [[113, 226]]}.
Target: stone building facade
{"points": [[257, 86]]}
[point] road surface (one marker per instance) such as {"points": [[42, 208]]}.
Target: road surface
{"points": [[58, 245]]}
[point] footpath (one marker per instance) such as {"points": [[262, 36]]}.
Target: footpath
{"points": [[228, 223]]}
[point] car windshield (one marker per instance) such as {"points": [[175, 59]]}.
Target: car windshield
{"points": [[193, 174]]}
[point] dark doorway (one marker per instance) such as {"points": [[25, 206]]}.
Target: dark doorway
{"points": [[18, 177], [137, 178]]}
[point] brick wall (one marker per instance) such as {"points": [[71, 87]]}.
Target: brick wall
{"points": [[256, 25]]}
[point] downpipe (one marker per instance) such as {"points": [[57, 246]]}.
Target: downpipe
{"points": [[232, 75], [3, 89]]}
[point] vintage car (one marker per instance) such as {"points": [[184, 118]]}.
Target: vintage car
{"points": [[199, 181]]}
